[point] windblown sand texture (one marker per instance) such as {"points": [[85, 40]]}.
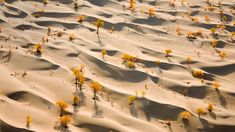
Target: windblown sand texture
{"points": [[162, 86]]}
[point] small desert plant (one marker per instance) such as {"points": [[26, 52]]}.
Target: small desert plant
{"points": [[194, 19], [210, 107], [129, 60], [38, 48], [143, 93], [222, 54], [103, 53], [99, 24], [214, 43], [62, 105], [96, 88], [201, 111], [207, 18], [225, 18], [185, 115], [131, 99], [151, 12], [213, 30], [76, 72], [182, 2], [216, 85], [167, 52], [189, 34], [178, 30], [188, 59], [132, 4], [36, 15], [75, 100], [81, 18], [65, 120], [71, 37], [28, 121], [198, 73], [158, 62], [45, 2]]}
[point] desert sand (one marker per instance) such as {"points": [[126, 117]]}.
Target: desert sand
{"points": [[155, 65]]}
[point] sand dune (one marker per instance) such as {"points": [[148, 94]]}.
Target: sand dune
{"points": [[163, 69]]}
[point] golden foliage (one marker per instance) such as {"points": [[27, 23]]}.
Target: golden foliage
{"points": [[214, 43], [81, 18], [61, 104], [178, 30], [201, 111], [64, 120], [76, 100], [222, 54], [188, 59], [151, 11], [213, 30], [96, 86], [185, 115], [198, 73], [38, 48], [207, 18], [131, 99], [103, 53], [168, 51], [130, 64], [216, 85], [210, 107], [28, 121]]}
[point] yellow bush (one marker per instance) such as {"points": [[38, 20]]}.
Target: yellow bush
{"points": [[210, 107], [168, 51], [216, 85], [222, 54], [131, 99], [198, 73], [81, 18], [75, 100], [151, 11], [64, 120], [130, 64], [214, 43], [103, 53], [201, 111], [62, 105], [185, 115], [28, 121], [38, 48]]}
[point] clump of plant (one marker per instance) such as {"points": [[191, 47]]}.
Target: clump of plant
{"points": [[28, 121], [168, 52], [71, 37], [65, 120], [62, 105], [81, 18], [96, 88], [207, 18], [48, 30], [201, 111], [213, 30], [103, 53], [198, 73], [210, 107], [129, 60], [222, 54], [178, 30], [45, 2], [188, 59], [38, 49], [131, 99], [216, 85], [151, 12], [185, 115], [132, 5], [79, 77], [99, 24], [76, 100], [214, 43]]}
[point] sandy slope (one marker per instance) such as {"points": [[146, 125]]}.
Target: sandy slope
{"points": [[49, 77]]}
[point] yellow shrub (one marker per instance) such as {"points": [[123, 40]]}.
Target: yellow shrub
{"points": [[201, 111], [185, 115], [210, 107], [28, 121], [198, 73], [131, 99]]}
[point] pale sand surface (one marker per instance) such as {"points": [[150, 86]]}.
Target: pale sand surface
{"points": [[169, 87]]}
